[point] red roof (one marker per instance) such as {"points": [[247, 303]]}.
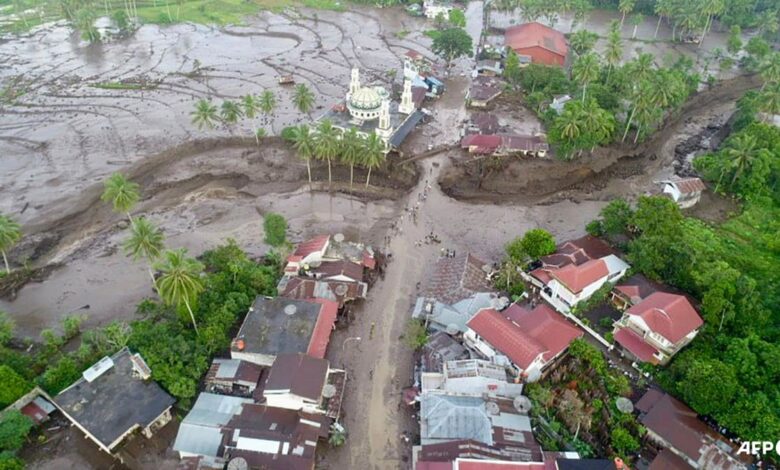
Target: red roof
{"points": [[472, 464], [634, 343], [576, 278], [326, 320], [308, 247], [689, 185], [522, 335], [368, 260], [433, 466], [670, 315], [481, 141], [536, 35], [414, 55]]}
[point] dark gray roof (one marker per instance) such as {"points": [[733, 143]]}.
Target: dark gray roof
{"points": [[302, 375], [400, 134], [585, 464], [115, 401], [270, 329]]}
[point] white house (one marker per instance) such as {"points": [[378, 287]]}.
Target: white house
{"points": [[433, 9], [573, 284], [472, 377], [685, 192]]}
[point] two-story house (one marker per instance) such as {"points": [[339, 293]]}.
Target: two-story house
{"points": [[656, 328], [304, 383], [531, 340]]}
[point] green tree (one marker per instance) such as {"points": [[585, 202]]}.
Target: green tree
{"points": [[122, 193], [586, 70], [623, 442], [616, 216], [614, 51], [415, 335], [351, 150], [85, 22], [457, 18], [304, 144], [250, 105], [7, 328], [205, 114], [711, 8], [14, 428], [710, 386], [770, 69], [734, 43], [664, 9], [145, 241], [451, 44], [12, 386], [267, 103], [515, 251], [326, 144], [512, 68], [625, 7], [636, 20], [583, 41], [230, 112], [538, 242], [10, 234], [180, 281], [303, 98], [275, 228], [657, 216], [741, 152], [373, 154]]}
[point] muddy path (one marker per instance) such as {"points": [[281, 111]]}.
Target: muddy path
{"points": [[609, 170]]}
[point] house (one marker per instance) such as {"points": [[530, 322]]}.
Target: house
{"points": [[453, 318], [278, 325], [120, 382], [537, 42], [505, 144], [500, 425], [489, 67], [341, 292], [575, 271], [482, 123], [274, 438], [35, 404], [415, 65], [476, 457], [220, 428], [234, 377], [482, 92], [686, 192], [308, 252], [656, 328], [326, 248], [530, 339], [200, 432], [303, 383], [453, 279], [439, 349], [472, 377], [633, 290], [432, 9], [339, 271], [674, 426], [559, 103]]}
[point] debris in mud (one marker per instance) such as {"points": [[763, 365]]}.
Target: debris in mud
{"points": [[11, 284], [692, 147]]}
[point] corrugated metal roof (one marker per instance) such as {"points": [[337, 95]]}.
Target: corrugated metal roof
{"points": [[197, 439], [227, 368]]}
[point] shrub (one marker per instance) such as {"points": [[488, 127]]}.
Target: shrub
{"points": [[7, 327], [275, 228], [59, 376], [12, 386], [14, 428], [71, 325], [415, 335]]}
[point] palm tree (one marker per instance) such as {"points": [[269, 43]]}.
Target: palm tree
{"points": [[351, 148], [636, 20], [614, 51], [625, 7], [642, 67], [250, 105], [710, 8], [205, 114], [769, 100], [770, 69], [373, 154], [303, 98], [582, 41], [10, 233], [663, 8], [267, 103], [586, 70], [597, 122], [122, 193], [303, 142], [180, 280], [640, 100], [570, 121], [326, 144], [145, 241], [230, 112], [742, 151]]}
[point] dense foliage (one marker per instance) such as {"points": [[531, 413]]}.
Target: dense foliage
{"points": [[730, 371], [275, 228], [451, 44], [14, 428]]}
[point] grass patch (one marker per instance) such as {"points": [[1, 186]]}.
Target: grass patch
{"points": [[432, 33], [123, 86], [402, 34]]}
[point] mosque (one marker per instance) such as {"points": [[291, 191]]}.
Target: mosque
{"points": [[370, 109]]}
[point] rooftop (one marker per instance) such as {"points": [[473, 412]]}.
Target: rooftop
{"points": [[337, 291], [687, 185], [115, 400], [440, 348], [304, 249], [341, 269], [200, 431], [578, 277], [670, 315], [452, 318], [299, 375], [279, 325], [233, 370], [523, 335], [454, 279], [637, 287], [536, 35]]}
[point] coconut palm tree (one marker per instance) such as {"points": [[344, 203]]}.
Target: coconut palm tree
{"points": [[642, 67], [373, 154], [180, 280], [205, 114], [582, 41], [303, 98], [769, 100], [614, 51], [351, 148], [636, 20], [146, 241], [230, 112], [250, 105], [303, 142], [770, 69], [742, 152], [10, 233], [710, 8], [586, 70], [663, 8], [267, 103], [625, 7], [122, 193], [570, 121], [640, 101], [326, 144], [598, 123]]}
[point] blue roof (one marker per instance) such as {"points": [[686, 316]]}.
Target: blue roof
{"points": [[435, 81], [404, 129]]}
